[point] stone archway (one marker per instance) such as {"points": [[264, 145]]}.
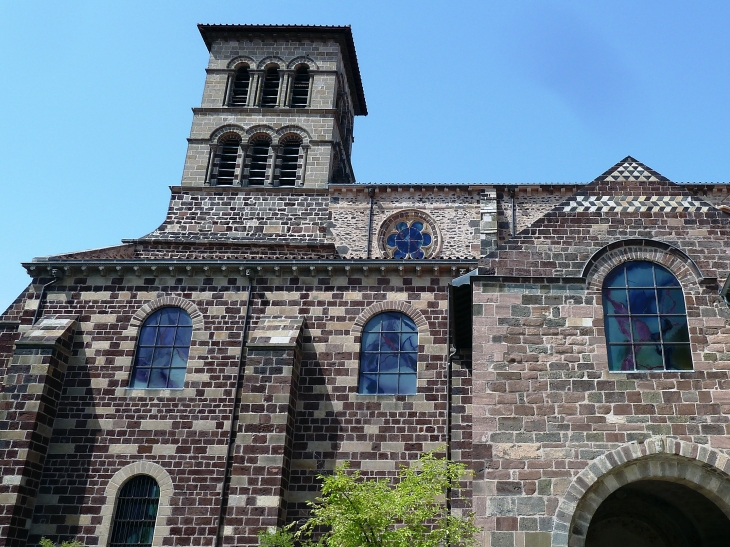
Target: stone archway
{"points": [[666, 474], [658, 513]]}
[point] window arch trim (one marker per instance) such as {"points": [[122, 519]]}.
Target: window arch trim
{"points": [[164, 509], [608, 257], [403, 307], [141, 315]]}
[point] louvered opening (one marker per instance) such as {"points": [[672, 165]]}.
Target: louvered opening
{"points": [[227, 156], [136, 512], [257, 166], [239, 93], [289, 163], [271, 88], [300, 89]]}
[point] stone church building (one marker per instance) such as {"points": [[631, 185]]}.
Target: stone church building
{"points": [[569, 343]]}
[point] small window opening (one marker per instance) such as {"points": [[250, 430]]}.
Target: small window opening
{"points": [[300, 89], [227, 158], [289, 163], [239, 93], [259, 160], [136, 513], [270, 93]]}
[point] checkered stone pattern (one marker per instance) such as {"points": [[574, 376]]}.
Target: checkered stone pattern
{"points": [[633, 171], [633, 204]]}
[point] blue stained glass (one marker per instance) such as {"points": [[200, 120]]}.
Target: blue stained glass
{"points": [[177, 378], [144, 357], [368, 384], [640, 274], [162, 357], [615, 302], [165, 336], [183, 335], [140, 378], [158, 378], [617, 278], [389, 350], [618, 329], [164, 344], [391, 322], [409, 342], [388, 383], [664, 277], [408, 324], [369, 362], [388, 362], [390, 341], [642, 301], [408, 362], [649, 331], [409, 240], [671, 301], [407, 383], [169, 316], [620, 358], [179, 357], [645, 329], [371, 341], [147, 336]]}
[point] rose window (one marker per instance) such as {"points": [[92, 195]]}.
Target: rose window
{"points": [[411, 239]]}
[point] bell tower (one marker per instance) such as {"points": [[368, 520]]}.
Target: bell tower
{"points": [[278, 107]]}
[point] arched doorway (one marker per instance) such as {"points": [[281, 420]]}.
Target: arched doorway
{"points": [[657, 513]]}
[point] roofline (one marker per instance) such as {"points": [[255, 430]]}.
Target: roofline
{"points": [[341, 34]]}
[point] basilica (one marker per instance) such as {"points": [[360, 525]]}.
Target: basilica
{"points": [[569, 343]]}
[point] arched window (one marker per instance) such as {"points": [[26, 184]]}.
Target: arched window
{"points": [[388, 355], [645, 319], [258, 161], [225, 161], [300, 88], [239, 92], [289, 155], [270, 92], [135, 513], [162, 350]]}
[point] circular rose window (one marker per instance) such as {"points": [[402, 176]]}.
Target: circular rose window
{"points": [[409, 234]]}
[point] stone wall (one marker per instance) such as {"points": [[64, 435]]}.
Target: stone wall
{"points": [[102, 426]]}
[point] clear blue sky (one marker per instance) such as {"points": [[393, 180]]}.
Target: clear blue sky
{"points": [[95, 100]]}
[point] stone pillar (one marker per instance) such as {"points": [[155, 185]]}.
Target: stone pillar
{"points": [[262, 454], [488, 238], [273, 175], [28, 405]]}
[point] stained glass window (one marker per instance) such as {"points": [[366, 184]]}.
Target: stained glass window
{"points": [[409, 240], [162, 350], [136, 512], [645, 319], [388, 355]]}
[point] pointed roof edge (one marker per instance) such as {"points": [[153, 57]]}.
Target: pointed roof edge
{"points": [[630, 159]]}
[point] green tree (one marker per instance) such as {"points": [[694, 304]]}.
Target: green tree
{"points": [[45, 542], [409, 512]]}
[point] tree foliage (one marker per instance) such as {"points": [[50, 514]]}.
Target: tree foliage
{"points": [[355, 512], [45, 542]]}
